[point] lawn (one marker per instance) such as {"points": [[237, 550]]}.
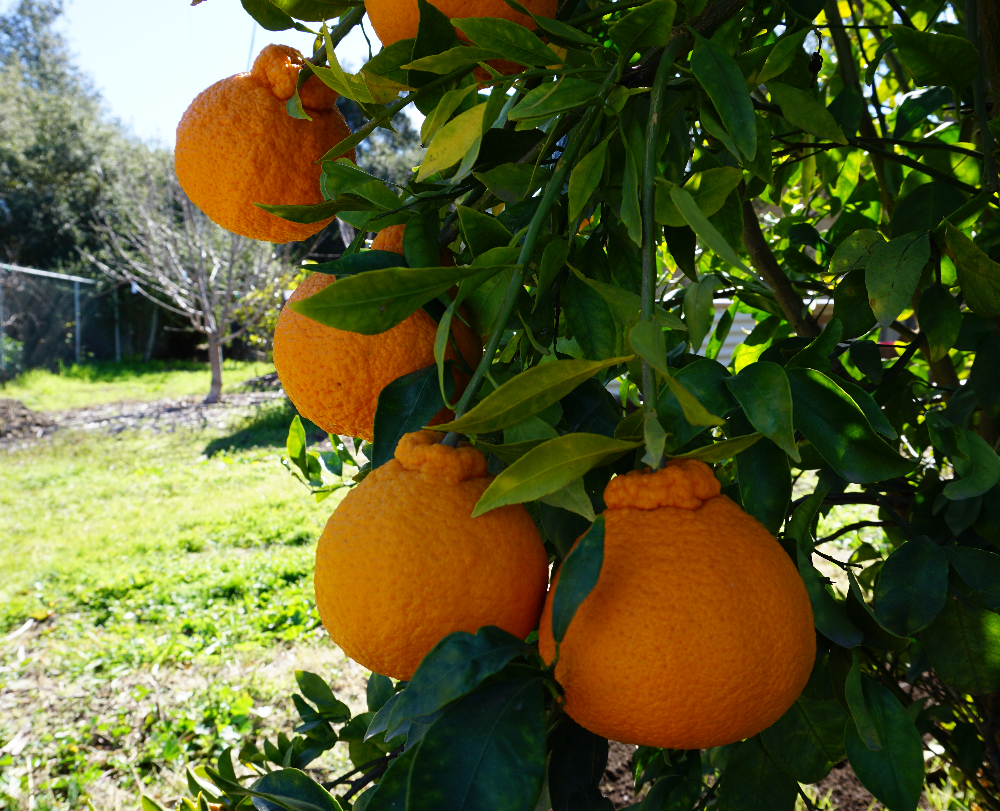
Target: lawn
{"points": [[77, 386], [156, 600]]}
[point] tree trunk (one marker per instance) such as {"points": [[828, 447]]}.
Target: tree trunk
{"points": [[215, 361], [152, 336]]}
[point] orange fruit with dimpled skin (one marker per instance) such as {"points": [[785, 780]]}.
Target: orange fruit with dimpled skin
{"points": [[394, 20], [334, 377], [237, 145], [402, 562], [699, 631]]}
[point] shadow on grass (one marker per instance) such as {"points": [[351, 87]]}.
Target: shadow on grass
{"points": [[267, 427]]}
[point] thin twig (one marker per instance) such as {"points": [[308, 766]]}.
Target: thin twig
{"points": [[851, 528]]}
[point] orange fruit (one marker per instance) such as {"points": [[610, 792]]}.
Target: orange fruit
{"points": [[402, 563], [699, 631], [334, 377], [237, 145], [390, 238], [394, 20]]}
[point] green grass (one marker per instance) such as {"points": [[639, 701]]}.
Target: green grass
{"points": [[92, 384], [169, 578]]}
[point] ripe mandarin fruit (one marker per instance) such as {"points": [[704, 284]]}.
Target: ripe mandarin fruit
{"points": [[401, 563], [237, 145], [394, 20], [334, 377], [699, 631]]}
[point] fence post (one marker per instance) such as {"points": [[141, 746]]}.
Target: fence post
{"points": [[76, 316]]}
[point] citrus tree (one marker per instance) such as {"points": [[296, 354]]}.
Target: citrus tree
{"points": [[597, 176]]}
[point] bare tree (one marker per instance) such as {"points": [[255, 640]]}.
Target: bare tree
{"points": [[156, 238]]}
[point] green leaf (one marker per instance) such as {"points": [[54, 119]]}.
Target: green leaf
{"points": [[407, 404], [590, 319], [630, 213], [149, 804], [963, 644], [765, 482], [895, 773], [487, 751], [979, 470], [710, 188], [867, 356], [550, 99], [320, 211], [979, 569], [800, 110], [923, 208], [450, 102], [753, 781], [872, 411], [481, 231], [763, 390], [374, 302], [355, 263], [293, 789], [646, 338], [647, 26], [514, 41], [862, 710], [553, 260], [983, 377], [720, 76], [454, 667], [457, 57], [782, 55], [808, 740], [296, 445], [378, 691], [978, 275], [625, 306], [883, 48], [829, 614], [936, 59], [527, 393], [940, 320], [699, 309], [911, 587], [585, 178], [855, 251], [390, 793], [707, 233], [268, 15], [456, 140], [550, 467], [514, 181], [838, 429], [579, 759], [577, 577], [705, 380], [720, 451], [573, 497], [435, 33], [851, 306], [655, 438]]}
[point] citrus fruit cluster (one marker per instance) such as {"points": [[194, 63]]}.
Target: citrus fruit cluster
{"points": [[699, 630]]}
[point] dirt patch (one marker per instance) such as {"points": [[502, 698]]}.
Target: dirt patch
{"points": [[17, 421], [844, 791], [618, 784]]}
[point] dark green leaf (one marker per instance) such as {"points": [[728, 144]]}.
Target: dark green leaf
{"points": [[550, 467], [977, 465], [647, 26], [509, 38], [390, 794], [590, 319], [984, 377], [979, 569], [936, 59], [867, 356], [553, 260], [892, 273], [978, 275], [488, 751], [376, 301], [765, 482], [916, 106], [420, 240], [576, 767], [706, 231], [912, 587], [454, 667], [527, 393], [851, 306], [801, 110], [378, 691], [705, 380], [872, 411], [829, 614], [894, 773], [963, 644], [815, 355], [434, 35], [481, 231], [356, 263], [319, 693], [577, 577], [585, 178], [808, 740], [763, 390], [839, 430], [292, 789], [268, 15], [924, 207], [722, 79], [407, 404], [753, 782], [855, 251]]}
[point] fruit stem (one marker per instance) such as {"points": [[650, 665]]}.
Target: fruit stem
{"points": [[649, 272]]}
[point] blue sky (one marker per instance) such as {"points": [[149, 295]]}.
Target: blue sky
{"points": [[150, 58]]}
